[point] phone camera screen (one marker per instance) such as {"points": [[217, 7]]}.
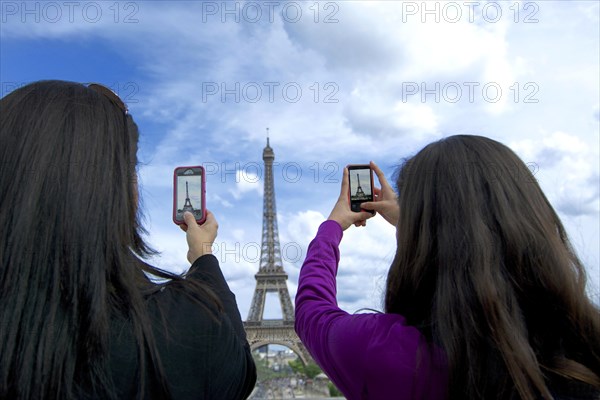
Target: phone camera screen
{"points": [[360, 187], [189, 193]]}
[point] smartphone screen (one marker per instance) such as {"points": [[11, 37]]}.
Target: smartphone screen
{"points": [[361, 186], [188, 193]]}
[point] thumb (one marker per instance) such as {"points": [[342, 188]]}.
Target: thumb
{"points": [[345, 184], [370, 205], [190, 221], [365, 216]]}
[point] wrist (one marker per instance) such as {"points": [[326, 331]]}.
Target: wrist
{"points": [[337, 222], [340, 222]]}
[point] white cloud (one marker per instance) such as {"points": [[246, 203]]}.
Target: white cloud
{"points": [[246, 182], [567, 169], [218, 199], [384, 53], [370, 119], [366, 57]]}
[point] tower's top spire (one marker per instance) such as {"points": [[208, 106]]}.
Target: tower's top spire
{"points": [[268, 151]]}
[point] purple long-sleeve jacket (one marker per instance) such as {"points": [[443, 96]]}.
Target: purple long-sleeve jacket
{"points": [[367, 356]]}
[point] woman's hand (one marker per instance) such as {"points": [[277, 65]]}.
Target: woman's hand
{"points": [[200, 238], [386, 200], [341, 212]]}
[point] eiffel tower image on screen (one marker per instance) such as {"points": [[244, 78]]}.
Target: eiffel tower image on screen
{"points": [[188, 204], [359, 191], [271, 277]]}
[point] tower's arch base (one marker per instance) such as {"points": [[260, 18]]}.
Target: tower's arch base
{"points": [[259, 336]]}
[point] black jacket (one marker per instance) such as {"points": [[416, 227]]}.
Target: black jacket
{"points": [[202, 358]]}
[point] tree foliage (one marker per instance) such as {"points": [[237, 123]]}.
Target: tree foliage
{"points": [[309, 371]]}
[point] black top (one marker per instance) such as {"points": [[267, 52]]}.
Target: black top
{"points": [[202, 358]]}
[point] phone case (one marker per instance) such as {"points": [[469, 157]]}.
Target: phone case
{"points": [[203, 195], [361, 166]]}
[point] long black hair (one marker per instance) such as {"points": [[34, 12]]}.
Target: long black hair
{"points": [[70, 238], [484, 269]]}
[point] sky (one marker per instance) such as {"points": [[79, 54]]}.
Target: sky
{"points": [[336, 83]]}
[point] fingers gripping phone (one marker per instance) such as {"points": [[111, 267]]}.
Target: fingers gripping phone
{"points": [[360, 187], [189, 193]]}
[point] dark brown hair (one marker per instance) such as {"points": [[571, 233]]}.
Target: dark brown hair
{"points": [[70, 238], [484, 269]]}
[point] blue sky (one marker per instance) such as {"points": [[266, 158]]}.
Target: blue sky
{"points": [[337, 83]]}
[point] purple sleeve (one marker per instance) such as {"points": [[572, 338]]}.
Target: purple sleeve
{"points": [[375, 356], [317, 310]]}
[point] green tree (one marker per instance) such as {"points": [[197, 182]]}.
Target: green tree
{"points": [[334, 391], [311, 370], [297, 366]]}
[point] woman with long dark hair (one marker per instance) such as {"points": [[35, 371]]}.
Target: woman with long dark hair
{"points": [[485, 297], [79, 318]]}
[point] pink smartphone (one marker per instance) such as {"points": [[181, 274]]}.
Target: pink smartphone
{"points": [[189, 193], [360, 186]]}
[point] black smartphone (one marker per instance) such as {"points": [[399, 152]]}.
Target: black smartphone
{"points": [[361, 186], [189, 193]]}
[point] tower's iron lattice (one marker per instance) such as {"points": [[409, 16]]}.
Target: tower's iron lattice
{"points": [[271, 277]]}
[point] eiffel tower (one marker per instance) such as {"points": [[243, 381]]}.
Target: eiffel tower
{"points": [[359, 191], [271, 277], [188, 204]]}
